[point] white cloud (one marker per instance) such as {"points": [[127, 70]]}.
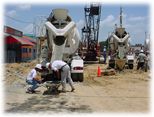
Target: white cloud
{"points": [[12, 13], [80, 24], [108, 20], [24, 7], [137, 31], [137, 18]]}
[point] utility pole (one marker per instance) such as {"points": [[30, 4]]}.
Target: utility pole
{"points": [[121, 17], [39, 32]]}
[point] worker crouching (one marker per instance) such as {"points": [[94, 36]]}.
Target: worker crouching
{"points": [[33, 80], [63, 69]]}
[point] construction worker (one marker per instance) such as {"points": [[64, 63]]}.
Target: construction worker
{"points": [[32, 79], [63, 69], [141, 59], [104, 54]]}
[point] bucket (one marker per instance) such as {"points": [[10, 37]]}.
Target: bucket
{"points": [[60, 14], [120, 63]]}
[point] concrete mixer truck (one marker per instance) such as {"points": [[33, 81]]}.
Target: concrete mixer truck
{"points": [[62, 41], [118, 48]]}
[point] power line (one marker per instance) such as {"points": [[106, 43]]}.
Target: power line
{"points": [[17, 20]]}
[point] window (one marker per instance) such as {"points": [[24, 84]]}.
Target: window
{"points": [[29, 50], [26, 50], [23, 50]]}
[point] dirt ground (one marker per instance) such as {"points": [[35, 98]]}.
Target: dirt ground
{"points": [[127, 91]]}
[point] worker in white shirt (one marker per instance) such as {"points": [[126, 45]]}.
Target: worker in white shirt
{"points": [[32, 79], [142, 58], [63, 69]]}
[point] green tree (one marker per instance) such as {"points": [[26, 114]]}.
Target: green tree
{"points": [[102, 44]]}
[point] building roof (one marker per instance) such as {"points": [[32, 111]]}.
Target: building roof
{"points": [[14, 39], [30, 39]]}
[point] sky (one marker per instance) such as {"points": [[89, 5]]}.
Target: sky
{"points": [[136, 18]]}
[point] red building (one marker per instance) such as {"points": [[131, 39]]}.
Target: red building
{"points": [[18, 48]]}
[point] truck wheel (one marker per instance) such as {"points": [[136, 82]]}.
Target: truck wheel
{"points": [[74, 77], [131, 66], [112, 65], [80, 77]]}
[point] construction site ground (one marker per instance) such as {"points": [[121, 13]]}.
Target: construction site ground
{"points": [[127, 91]]}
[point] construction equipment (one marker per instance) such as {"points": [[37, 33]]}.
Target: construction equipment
{"points": [[62, 39], [90, 32], [118, 47]]}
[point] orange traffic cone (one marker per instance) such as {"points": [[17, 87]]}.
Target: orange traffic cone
{"points": [[98, 72]]}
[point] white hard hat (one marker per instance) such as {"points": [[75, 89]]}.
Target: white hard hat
{"points": [[47, 65], [38, 66], [141, 51], [76, 54]]}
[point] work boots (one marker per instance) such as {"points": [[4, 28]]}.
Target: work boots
{"points": [[72, 89]]}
